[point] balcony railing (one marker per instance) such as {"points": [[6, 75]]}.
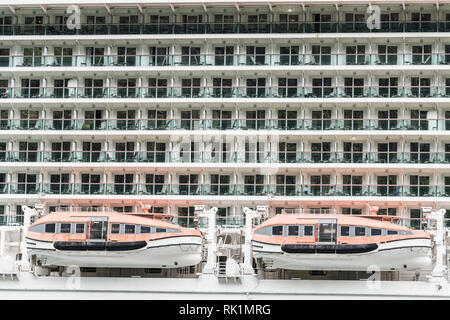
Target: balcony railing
{"points": [[201, 92], [132, 124], [297, 190], [209, 60], [11, 220], [177, 156], [229, 221], [221, 28], [417, 223]]}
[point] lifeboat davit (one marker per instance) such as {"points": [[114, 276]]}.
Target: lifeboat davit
{"points": [[112, 240], [340, 242]]}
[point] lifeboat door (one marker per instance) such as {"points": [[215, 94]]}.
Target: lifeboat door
{"points": [[327, 230], [98, 228]]}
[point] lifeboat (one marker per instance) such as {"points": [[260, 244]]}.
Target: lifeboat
{"points": [[340, 242], [112, 240]]}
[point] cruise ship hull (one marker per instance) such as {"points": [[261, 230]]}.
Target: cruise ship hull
{"points": [[171, 252], [407, 254]]}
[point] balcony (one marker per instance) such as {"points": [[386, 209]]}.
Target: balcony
{"points": [[263, 190], [224, 60], [283, 124], [286, 92], [253, 157], [224, 28], [11, 220]]}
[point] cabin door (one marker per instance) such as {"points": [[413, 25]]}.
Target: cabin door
{"points": [[327, 230], [98, 227]]}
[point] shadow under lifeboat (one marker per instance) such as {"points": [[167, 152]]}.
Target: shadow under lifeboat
{"points": [[340, 242], [111, 239]]}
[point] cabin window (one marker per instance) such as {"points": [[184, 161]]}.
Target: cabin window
{"points": [[79, 228], [65, 228], [129, 228], [277, 230], [145, 229], [360, 231], [309, 231], [50, 228], [392, 232], [160, 230], [345, 231], [115, 228], [293, 230], [375, 232]]}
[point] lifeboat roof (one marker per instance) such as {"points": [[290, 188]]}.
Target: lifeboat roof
{"points": [[367, 221], [114, 217]]}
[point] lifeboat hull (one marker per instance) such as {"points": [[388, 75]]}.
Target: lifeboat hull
{"points": [[405, 254], [171, 252]]}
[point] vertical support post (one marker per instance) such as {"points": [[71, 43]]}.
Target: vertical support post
{"points": [[440, 266], [211, 240], [28, 213], [2, 243], [249, 216]]}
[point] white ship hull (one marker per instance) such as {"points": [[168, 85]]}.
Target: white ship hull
{"points": [[207, 287], [408, 254], [172, 252]]}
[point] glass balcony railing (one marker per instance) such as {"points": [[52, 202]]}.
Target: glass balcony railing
{"points": [[287, 92], [133, 124], [11, 220], [230, 221], [234, 60], [192, 189], [223, 28], [254, 157]]}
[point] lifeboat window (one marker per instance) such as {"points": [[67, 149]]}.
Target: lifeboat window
{"points": [[50, 228], [360, 232], [39, 228], [293, 231], [130, 228], [65, 228], [375, 232], [309, 231], [392, 232], [145, 229], [277, 230], [79, 228], [264, 231], [160, 230], [115, 228], [345, 231]]}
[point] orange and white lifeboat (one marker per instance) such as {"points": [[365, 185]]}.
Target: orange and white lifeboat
{"points": [[110, 239], [340, 242]]}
